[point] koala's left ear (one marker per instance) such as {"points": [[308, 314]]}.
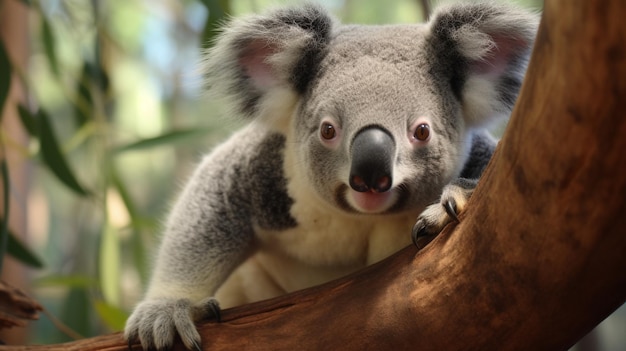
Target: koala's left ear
{"points": [[483, 50], [260, 55]]}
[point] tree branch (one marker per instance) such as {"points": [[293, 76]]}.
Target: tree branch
{"points": [[537, 260]]}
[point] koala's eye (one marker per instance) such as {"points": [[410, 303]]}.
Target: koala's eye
{"points": [[422, 132], [327, 131]]}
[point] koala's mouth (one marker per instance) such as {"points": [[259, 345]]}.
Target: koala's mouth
{"points": [[367, 202]]}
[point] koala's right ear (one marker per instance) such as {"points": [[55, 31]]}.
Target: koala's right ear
{"points": [[482, 49], [257, 56]]}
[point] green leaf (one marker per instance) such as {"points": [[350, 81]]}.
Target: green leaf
{"points": [[4, 226], [167, 138], [218, 10], [140, 256], [49, 45], [113, 317], [28, 120], [27, 2], [5, 76], [84, 105], [53, 157], [76, 311], [137, 244], [69, 281], [20, 252], [109, 264], [124, 194]]}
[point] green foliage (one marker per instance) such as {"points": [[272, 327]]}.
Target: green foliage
{"points": [[39, 126], [217, 12], [110, 268], [84, 97], [4, 226], [139, 254], [78, 121], [171, 137], [113, 316], [69, 281], [52, 155], [5, 76], [49, 44], [77, 312], [19, 251], [28, 121]]}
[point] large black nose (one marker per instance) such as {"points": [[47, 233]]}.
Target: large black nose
{"points": [[372, 151]]}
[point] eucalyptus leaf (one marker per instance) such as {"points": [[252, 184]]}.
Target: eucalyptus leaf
{"points": [[49, 45], [137, 244], [21, 253], [163, 139], [124, 194], [4, 226], [28, 121], [109, 264], [53, 157], [68, 281], [84, 100], [76, 311], [5, 76], [113, 317]]}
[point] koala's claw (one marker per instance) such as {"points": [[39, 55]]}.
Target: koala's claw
{"points": [[436, 216], [418, 232], [450, 206], [155, 323], [212, 308], [419, 235]]}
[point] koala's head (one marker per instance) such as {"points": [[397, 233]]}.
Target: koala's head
{"points": [[380, 117]]}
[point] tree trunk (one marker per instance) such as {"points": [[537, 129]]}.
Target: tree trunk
{"points": [[14, 36], [538, 257]]}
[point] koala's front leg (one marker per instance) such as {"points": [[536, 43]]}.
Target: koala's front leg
{"points": [[436, 216], [207, 235]]}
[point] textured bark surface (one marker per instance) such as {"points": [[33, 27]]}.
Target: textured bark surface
{"points": [[16, 309], [538, 258]]}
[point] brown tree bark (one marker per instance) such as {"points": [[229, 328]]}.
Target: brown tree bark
{"points": [[538, 258], [14, 36], [16, 309]]}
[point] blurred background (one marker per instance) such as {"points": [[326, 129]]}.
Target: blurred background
{"points": [[103, 118]]}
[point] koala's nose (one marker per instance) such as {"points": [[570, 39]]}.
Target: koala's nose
{"points": [[372, 151]]}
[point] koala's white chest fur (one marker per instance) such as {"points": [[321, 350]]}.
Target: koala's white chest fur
{"points": [[326, 244], [324, 238]]}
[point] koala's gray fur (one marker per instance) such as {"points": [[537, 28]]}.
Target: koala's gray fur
{"points": [[331, 173]]}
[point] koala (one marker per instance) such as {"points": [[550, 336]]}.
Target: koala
{"points": [[359, 139]]}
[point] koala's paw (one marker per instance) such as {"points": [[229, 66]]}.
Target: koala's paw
{"points": [[436, 216], [155, 323]]}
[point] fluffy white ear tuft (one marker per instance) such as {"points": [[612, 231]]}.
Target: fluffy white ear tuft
{"points": [[257, 55], [490, 47]]}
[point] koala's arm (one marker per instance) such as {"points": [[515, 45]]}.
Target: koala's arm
{"points": [[456, 194], [208, 233]]}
